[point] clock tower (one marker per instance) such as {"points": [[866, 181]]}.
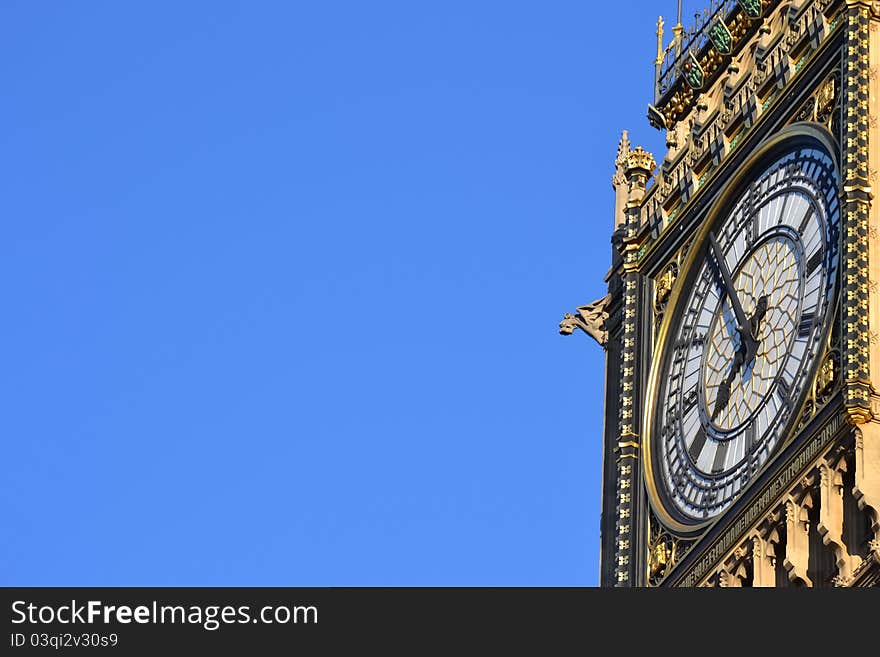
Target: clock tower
{"points": [[741, 327]]}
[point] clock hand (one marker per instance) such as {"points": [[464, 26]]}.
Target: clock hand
{"points": [[743, 326], [744, 354], [723, 396], [754, 326]]}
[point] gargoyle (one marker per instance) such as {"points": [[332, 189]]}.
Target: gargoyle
{"points": [[590, 319]]}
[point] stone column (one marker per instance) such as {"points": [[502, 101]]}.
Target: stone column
{"points": [[867, 479], [856, 210], [764, 560], [797, 543], [831, 518], [861, 292], [638, 168]]}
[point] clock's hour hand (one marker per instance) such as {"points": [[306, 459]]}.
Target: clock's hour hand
{"points": [[743, 325], [723, 396], [743, 356]]}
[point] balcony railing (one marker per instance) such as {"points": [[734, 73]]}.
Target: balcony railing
{"points": [[692, 40]]}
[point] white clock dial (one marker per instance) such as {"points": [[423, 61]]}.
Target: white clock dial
{"points": [[745, 335]]}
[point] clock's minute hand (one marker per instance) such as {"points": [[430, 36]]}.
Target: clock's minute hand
{"points": [[743, 325]]}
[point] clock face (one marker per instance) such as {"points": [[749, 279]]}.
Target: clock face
{"points": [[745, 334]]}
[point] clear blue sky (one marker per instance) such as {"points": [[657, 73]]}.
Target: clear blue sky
{"points": [[281, 285]]}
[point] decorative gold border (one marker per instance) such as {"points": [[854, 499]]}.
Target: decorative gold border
{"points": [[810, 130]]}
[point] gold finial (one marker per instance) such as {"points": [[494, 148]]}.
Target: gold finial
{"points": [[640, 161], [659, 59]]}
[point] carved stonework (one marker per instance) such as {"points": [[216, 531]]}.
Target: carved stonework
{"points": [[767, 54], [708, 45], [665, 282], [590, 319], [826, 97], [827, 381], [662, 554], [827, 375], [821, 531], [664, 551], [663, 287], [824, 105]]}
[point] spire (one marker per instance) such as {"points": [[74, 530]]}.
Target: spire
{"points": [[676, 31], [618, 180], [623, 149]]}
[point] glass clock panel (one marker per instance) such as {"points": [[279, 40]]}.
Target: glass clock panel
{"points": [[744, 338]]}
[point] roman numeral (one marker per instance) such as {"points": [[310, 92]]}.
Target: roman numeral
{"points": [[783, 387], [811, 168], [781, 219], [689, 400], [805, 222], [696, 447], [814, 261], [679, 478], [695, 343], [710, 495], [720, 457], [678, 359], [806, 325], [753, 229], [749, 436]]}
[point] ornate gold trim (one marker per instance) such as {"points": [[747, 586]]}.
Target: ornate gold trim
{"points": [[855, 218], [663, 202]]}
